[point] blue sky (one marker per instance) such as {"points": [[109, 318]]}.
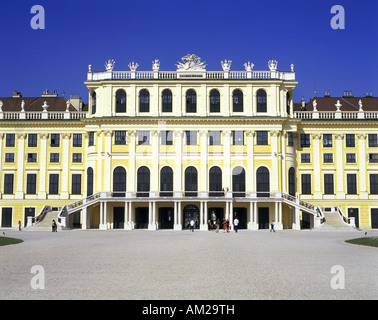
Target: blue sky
{"points": [[79, 33]]}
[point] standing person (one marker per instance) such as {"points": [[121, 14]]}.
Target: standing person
{"points": [[236, 223], [228, 225], [224, 225], [19, 225], [209, 225], [272, 226], [217, 224], [192, 225], [53, 226]]}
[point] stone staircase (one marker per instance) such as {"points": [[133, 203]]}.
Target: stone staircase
{"points": [[334, 222], [45, 224]]}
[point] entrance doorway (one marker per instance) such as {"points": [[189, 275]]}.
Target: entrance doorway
{"points": [[141, 218], [263, 218], [29, 212], [215, 213], [353, 213], [241, 214], [374, 218], [6, 217], [191, 212], [166, 218], [306, 221], [118, 217]]}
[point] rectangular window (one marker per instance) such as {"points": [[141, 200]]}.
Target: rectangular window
{"points": [[238, 138], [6, 217], [53, 183], [9, 157], [32, 140], [306, 183], [327, 157], [31, 184], [77, 140], [191, 138], [10, 140], [167, 138], [90, 139], [351, 158], [328, 184], [305, 158], [77, 157], [373, 157], [305, 140], [76, 184], [8, 183], [290, 139], [54, 157], [120, 137], [350, 140], [373, 183], [327, 140], [351, 183], [262, 138], [143, 138], [372, 140], [55, 140], [32, 158], [215, 138]]}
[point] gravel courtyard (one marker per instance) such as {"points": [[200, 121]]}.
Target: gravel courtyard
{"points": [[118, 264]]}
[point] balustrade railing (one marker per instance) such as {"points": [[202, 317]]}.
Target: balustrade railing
{"points": [[336, 114]]}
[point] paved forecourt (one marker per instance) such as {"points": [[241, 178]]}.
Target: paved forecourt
{"points": [[140, 264]]}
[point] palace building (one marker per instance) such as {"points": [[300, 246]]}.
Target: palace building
{"points": [[155, 149]]}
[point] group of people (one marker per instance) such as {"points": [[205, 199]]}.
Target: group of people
{"points": [[226, 225]]}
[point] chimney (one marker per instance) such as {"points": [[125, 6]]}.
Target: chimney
{"points": [[46, 94], [303, 107], [17, 94], [327, 95], [76, 101]]}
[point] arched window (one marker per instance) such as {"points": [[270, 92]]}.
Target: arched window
{"points": [[94, 102], [191, 185], [292, 181], [119, 182], [215, 182], [143, 182], [262, 181], [237, 101], [238, 182], [191, 101], [166, 101], [166, 182], [144, 101], [261, 101], [288, 102], [120, 101], [214, 101], [89, 181]]}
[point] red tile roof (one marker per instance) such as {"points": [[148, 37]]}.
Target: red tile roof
{"points": [[35, 104]]}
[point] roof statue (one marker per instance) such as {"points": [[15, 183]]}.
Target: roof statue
{"points": [[133, 66], [360, 104], [156, 65], [109, 65], [248, 66], [338, 105], [314, 104], [272, 64], [191, 62], [226, 65]]}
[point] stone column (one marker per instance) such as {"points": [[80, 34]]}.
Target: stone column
{"points": [[64, 194], [177, 184], [155, 161], [274, 147], [132, 174], [362, 164], [1, 152], [316, 161], [255, 215], [340, 192], [42, 166], [20, 165], [108, 161], [99, 162], [227, 159], [231, 215], [204, 161], [250, 182]]}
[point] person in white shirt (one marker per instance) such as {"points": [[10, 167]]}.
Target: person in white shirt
{"points": [[236, 224], [192, 225]]}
